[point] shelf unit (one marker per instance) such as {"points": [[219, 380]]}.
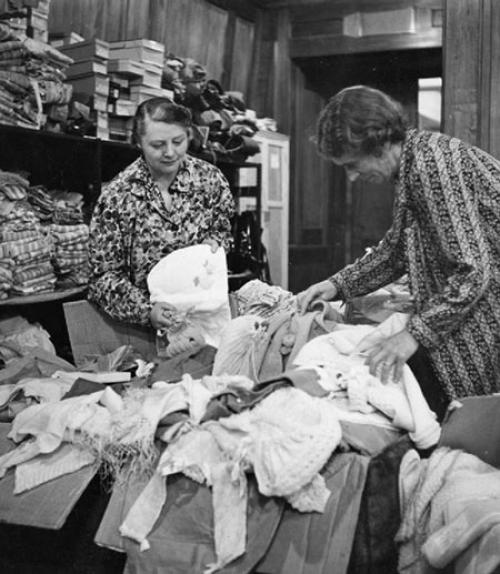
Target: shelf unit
{"points": [[83, 165]]}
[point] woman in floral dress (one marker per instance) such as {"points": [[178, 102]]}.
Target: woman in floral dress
{"points": [[163, 201]]}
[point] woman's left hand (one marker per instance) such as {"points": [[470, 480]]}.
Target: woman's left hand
{"points": [[387, 358], [212, 243]]}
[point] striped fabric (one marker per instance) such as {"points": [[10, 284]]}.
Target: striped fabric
{"points": [[446, 236]]}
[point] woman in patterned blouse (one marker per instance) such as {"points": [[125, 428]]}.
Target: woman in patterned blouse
{"points": [[445, 235], [163, 201]]}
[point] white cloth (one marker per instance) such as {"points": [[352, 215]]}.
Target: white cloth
{"points": [[66, 459], [340, 362], [285, 439], [194, 281]]}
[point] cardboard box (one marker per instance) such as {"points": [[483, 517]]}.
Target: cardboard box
{"points": [[151, 76], [124, 108], [94, 49], [126, 68], [86, 68], [91, 84], [147, 51]]}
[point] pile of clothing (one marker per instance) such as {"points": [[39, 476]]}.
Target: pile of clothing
{"points": [[32, 75], [25, 253], [70, 258], [61, 213], [224, 127], [56, 206]]}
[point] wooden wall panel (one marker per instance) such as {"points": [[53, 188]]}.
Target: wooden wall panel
{"points": [[472, 72], [188, 28], [242, 56]]}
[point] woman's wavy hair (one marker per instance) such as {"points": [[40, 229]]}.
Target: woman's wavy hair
{"points": [[359, 120], [159, 110]]}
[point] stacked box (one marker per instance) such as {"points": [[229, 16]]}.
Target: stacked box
{"points": [[135, 68], [38, 17], [89, 77]]}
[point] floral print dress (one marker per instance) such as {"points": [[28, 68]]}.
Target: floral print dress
{"points": [[132, 229], [446, 236]]}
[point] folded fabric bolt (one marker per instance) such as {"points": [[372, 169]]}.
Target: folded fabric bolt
{"points": [[194, 281]]}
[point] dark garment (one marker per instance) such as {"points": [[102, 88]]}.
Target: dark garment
{"points": [[374, 550], [195, 363], [320, 543], [182, 540], [432, 390]]}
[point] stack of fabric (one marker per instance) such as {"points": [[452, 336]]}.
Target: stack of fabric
{"points": [[25, 266], [42, 203], [70, 254], [55, 206], [68, 207], [32, 76], [61, 212], [224, 127]]}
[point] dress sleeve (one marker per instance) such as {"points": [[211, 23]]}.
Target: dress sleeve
{"points": [[109, 261], [381, 265], [450, 180], [222, 210]]}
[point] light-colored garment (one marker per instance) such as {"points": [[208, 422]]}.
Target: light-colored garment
{"points": [[194, 281], [66, 459], [285, 441], [258, 298], [449, 503], [341, 365]]}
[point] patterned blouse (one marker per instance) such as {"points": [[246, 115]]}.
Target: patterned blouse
{"points": [[132, 229], [446, 236]]}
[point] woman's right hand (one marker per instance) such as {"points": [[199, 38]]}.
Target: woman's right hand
{"points": [[322, 291], [165, 316]]}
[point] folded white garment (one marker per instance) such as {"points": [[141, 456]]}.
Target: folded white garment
{"points": [[194, 281]]}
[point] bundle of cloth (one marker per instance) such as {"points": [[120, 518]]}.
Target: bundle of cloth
{"points": [[32, 75], [70, 253], [56, 206], [193, 282], [274, 338], [450, 509], [25, 251], [224, 127]]}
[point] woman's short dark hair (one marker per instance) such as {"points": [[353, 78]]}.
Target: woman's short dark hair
{"points": [[159, 110], [359, 120]]}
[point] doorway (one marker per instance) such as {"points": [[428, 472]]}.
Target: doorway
{"points": [[361, 212]]}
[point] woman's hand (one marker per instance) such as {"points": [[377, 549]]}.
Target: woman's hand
{"points": [[322, 291], [387, 358], [165, 316]]}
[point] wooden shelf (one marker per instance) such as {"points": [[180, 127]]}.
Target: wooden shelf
{"points": [[56, 295]]}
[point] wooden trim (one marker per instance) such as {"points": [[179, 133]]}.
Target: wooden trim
{"points": [[338, 9], [332, 45], [243, 9]]}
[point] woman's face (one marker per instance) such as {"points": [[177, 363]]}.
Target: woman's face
{"points": [[164, 147], [370, 168]]}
